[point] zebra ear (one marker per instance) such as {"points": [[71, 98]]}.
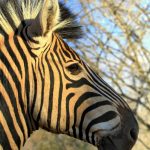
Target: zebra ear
{"points": [[46, 20]]}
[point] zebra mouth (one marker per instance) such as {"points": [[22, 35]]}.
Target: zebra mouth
{"points": [[106, 144]]}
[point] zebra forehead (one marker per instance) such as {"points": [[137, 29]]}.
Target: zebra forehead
{"points": [[13, 12]]}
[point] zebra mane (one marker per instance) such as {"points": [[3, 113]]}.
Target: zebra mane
{"points": [[13, 12]]}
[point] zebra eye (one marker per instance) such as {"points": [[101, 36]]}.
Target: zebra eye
{"points": [[74, 69]]}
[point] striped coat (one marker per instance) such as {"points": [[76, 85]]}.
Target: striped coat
{"points": [[44, 83]]}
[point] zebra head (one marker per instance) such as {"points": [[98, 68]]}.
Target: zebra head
{"points": [[72, 99], [47, 81]]}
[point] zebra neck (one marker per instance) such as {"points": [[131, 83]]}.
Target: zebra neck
{"points": [[17, 81]]}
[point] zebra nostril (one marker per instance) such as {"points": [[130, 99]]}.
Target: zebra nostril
{"points": [[133, 134]]}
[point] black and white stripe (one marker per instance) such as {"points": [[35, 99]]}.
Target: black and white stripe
{"points": [[44, 83]]}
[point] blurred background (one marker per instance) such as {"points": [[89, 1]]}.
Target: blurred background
{"points": [[116, 45]]}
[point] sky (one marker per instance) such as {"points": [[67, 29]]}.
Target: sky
{"points": [[75, 6]]}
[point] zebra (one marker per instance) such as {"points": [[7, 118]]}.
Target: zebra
{"points": [[44, 83]]}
